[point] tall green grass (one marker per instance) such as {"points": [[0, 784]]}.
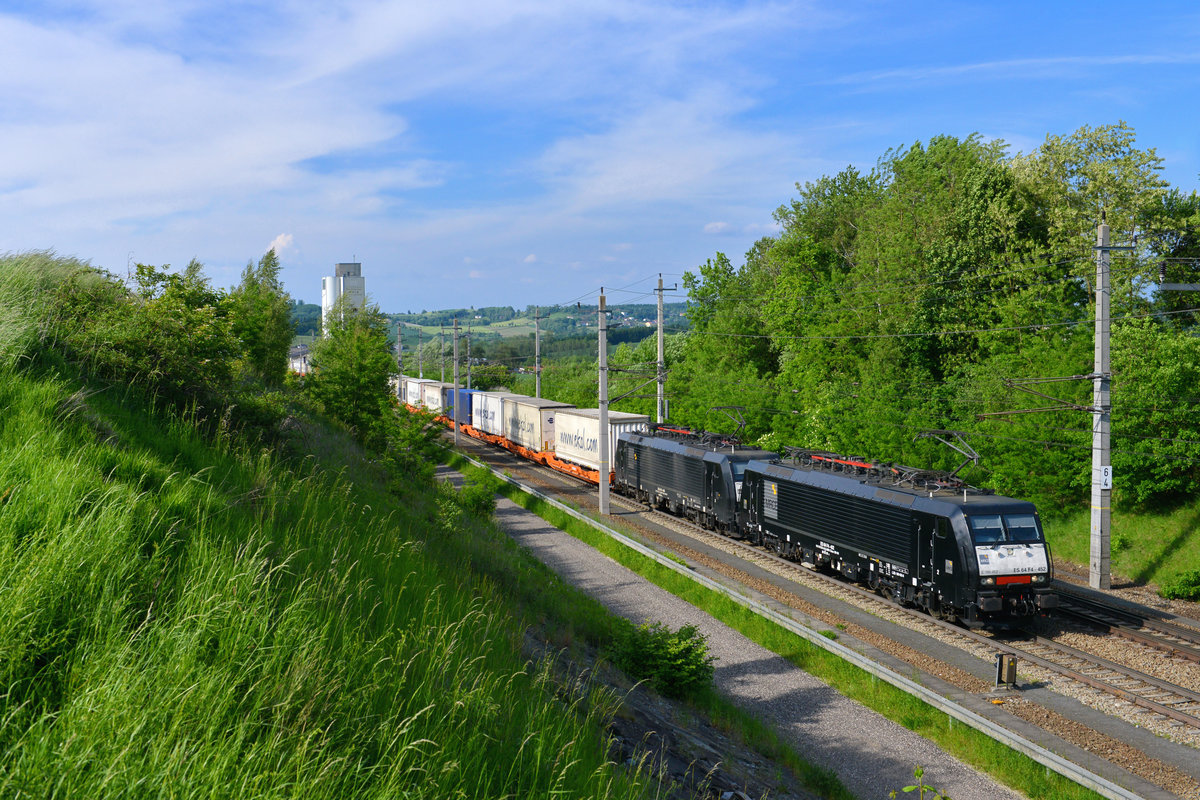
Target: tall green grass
{"points": [[1146, 547], [184, 619], [26, 319]]}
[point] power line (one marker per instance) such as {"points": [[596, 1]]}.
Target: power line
{"points": [[963, 332], [885, 287]]}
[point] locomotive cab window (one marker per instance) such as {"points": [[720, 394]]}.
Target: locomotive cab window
{"points": [[1022, 528], [942, 528], [987, 528]]}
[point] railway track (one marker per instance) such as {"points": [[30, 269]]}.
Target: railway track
{"points": [[1182, 641], [1152, 696], [1141, 699], [1144, 691]]}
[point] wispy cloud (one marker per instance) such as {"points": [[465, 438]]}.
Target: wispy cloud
{"points": [[441, 142], [1008, 69]]}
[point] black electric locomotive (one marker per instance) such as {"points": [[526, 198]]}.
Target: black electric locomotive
{"points": [[925, 539], [689, 473]]}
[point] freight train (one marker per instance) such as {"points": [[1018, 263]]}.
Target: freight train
{"points": [[922, 538]]}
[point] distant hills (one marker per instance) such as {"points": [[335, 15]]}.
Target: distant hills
{"points": [[507, 322]]}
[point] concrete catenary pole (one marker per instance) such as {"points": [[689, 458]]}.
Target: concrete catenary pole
{"points": [[454, 391], [469, 354], [661, 376], [399, 359], [1099, 576], [603, 357], [420, 368], [442, 351], [537, 352]]}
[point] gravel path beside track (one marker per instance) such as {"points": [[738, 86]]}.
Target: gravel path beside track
{"points": [[870, 754]]}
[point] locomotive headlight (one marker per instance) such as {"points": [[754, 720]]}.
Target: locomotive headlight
{"points": [[1038, 578], [988, 581]]}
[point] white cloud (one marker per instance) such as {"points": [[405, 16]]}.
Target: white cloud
{"points": [[531, 259], [280, 243], [716, 227], [475, 274], [688, 151]]}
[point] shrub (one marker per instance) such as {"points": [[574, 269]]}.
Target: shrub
{"points": [[171, 334], [479, 497], [676, 664], [1184, 586]]}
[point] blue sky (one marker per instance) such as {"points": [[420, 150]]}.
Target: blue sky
{"points": [[515, 153]]}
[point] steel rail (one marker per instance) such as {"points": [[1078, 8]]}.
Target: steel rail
{"points": [[1129, 695], [1171, 638]]}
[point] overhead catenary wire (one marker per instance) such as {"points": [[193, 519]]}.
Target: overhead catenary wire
{"points": [[1002, 437], [961, 332], [911, 298]]}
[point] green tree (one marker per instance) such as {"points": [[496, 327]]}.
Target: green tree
{"points": [[351, 367], [829, 212], [1094, 172], [260, 311], [306, 318], [170, 334]]}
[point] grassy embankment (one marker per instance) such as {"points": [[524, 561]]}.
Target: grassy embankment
{"points": [[1147, 547], [974, 748], [208, 621], [191, 615]]}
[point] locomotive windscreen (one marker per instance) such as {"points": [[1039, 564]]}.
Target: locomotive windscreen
{"points": [[996, 528]]}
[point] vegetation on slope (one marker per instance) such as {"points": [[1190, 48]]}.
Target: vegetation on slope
{"points": [[190, 606]]}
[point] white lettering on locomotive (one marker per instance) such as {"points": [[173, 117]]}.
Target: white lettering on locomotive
{"points": [[1011, 559]]}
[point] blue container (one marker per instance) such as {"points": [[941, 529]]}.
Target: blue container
{"points": [[465, 404], [448, 401]]}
